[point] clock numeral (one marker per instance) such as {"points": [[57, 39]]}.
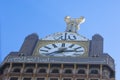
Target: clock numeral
{"points": [[44, 50], [71, 45], [63, 45], [76, 54], [54, 45], [47, 47], [78, 48], [72, 37], [80, 51], [65, 36]]}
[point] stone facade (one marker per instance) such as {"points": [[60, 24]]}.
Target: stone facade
{"points": [[23, 65], [74, 57]]}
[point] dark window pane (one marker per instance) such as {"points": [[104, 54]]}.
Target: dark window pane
{"points": [[29, 71], [42, 71], [81, 71], [80, 79], [94, 72], [67, 79], [68, 71], [55, 71], [13, 78], [16, 70], [40, 78], [27, 79], [53, 78]]}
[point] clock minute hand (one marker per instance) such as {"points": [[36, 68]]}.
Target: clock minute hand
{"points": [[59, 51], [69, 51], [53, 52], [72, 51]]}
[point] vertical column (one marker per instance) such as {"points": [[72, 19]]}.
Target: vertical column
{"points": [[61, 71], [9, 70], [88, 67], [100, 71], [48, 71], [29, 44], [96, 45], [35, 72], [74, 75], [22, 71]]}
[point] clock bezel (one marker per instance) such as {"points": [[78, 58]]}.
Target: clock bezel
{"points": [[42, 43], [62, 49]]}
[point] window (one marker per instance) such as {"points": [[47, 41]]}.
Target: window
{"points": [[53, 78], [68, 71], [81, 71], [80, 79], [16, 70], [94, 71], [42, 71], [13, 78], [67, 79], [27, 79], [40, 78], [29, 70], [55, 71]]}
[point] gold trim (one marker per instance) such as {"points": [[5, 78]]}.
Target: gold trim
{"points": [[42, 43]]}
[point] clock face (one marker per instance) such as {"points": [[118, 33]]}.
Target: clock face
{"points": [[62, 49]]}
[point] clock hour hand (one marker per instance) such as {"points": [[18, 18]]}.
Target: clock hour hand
{"points": [[63, 50], [60, 50], [53, 53]]}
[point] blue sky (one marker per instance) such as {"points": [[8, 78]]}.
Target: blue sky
{"points": [[19, 18]]}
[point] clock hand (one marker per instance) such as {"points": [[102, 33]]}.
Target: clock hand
{"points": [[60, 50], [72, 51], [53, 53], [79, 51]]}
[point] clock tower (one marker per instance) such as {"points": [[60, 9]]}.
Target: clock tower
{"points": [[60, 56]]}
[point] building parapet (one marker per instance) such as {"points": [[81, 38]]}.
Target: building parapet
{"points": [[75, 60]]}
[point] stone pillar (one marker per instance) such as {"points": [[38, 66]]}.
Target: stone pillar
{"points": [[88, 67], [9, 70], [22, 71], [61, 71], [96, 45], [29, 45], [101, 71]]}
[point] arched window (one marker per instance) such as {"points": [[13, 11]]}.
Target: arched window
{"points": [[81, 71], [16, 70], [55, 71], [68, 71], [80, 79], [42, 70], [29, 70], [67, 79], [54, 79], [13, 78], [40, 79], [94, 71], [27, 79]]}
